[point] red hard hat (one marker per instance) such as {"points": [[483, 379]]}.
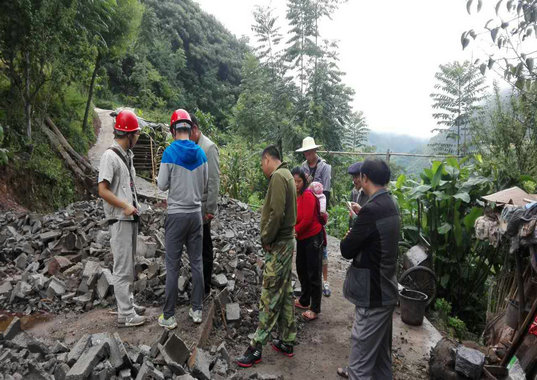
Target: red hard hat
{"points": [[126, 121], [180, 115]]}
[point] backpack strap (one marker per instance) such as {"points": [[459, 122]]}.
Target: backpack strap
{"points": [[132, 183]]}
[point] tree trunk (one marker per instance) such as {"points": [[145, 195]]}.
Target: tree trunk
{"points": [[84, 163], [27, 101], [90, 94]]}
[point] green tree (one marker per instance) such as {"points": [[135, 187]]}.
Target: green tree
{"points": [[506, 138], [513, 31], [112, 36], [356, 131], [460, 90], [33, 35]]}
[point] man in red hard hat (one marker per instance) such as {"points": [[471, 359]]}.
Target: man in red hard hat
{"points": [[117, 188], [183, 172]]}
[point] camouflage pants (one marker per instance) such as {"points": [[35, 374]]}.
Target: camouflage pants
{"points": [[276, 306]]}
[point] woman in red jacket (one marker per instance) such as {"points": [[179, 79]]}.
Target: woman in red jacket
{"points": [[309, 247]]}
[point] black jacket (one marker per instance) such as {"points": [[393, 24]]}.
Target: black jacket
{"points": [[373, 245]]}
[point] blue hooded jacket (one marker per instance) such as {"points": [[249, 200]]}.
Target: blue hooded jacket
{"points": [[183, 171]]}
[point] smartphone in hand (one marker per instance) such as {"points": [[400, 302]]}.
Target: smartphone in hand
{"points": [[351, 211]]}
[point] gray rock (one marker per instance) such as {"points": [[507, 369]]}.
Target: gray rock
{"points": [[87, 361], [21, 261], [13, 329], [78, 349], [56, 288], [233, 312], [181, 282], [104, 284], [22, 290], [60, 372], [125, 374], [185, 377], [221, 367], [149, 372], [202, 362], [118, 355], [219, 280], [176, 349], [48, 236], [59, 348], [469, 362], [223, 353], [5, 288], [173, 365]]}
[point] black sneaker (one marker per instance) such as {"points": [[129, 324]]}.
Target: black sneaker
{"points": [[251, 356], [283, 348]]}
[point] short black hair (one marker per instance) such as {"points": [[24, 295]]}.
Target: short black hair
{"points": [[194, 120], [377, 171], [272, 151], [302, 174]]}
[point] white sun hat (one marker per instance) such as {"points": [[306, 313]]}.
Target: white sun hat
{"points": [[308, 144]]}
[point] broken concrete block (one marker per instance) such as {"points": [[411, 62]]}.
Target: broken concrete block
{"points": [[145, 247], [91, 271], [118, 357], [56, 288], [102, 237], [13, 329], [149, 372], [140, 285], [181, 282], [78, 349], [161, 340], [469, 362], [174, 366], [185, 377], [58, 264], [61, 371], [176, 349], [73, 270], [105, 283], [200, 370], [22, 289], [223, 353], [21, 261], [39, 281], [5, 287], [48, 236], [233, 312], [84, 298], [219, 280], [221, 367], [59, 348], [87, 361], [125, 374]]}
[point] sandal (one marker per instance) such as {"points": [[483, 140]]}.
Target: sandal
{"points": [[300, 306], [343, 372], [310, 315]]}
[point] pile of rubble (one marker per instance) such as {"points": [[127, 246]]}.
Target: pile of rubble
{"points": [[105, 356], [63, 261]]}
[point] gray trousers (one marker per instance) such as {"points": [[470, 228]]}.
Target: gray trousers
{"points": [[183, 229], [371, 338], [123, 250]]}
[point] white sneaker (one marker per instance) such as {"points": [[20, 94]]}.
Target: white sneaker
{"points": [[131, 320], [195, 315]]}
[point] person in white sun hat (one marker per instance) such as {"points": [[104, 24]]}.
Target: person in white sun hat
{"points": [[318, 170]]}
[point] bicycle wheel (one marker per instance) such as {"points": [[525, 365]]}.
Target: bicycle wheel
{"points": [[422, 279]]}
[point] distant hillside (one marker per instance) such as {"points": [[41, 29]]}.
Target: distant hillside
{"points": [[383, 141]]}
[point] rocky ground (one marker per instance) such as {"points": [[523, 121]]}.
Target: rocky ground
{"points": [[55, 276]]}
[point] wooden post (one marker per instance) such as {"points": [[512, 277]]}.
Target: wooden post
{"points": [[519, 337], [388, 156], [520, 280]]}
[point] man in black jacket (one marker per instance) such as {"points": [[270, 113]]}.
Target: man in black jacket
{"points": [[371, 285]]}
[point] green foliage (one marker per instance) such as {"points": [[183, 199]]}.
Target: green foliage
{"points": [[241, 176], [355, 132], [443, 308], [512, 32], [460, 88], [506, 139], [443, 208], [338, 221], [458, 327]]}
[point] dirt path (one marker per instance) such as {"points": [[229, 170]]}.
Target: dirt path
{"points": [[104, 140]]}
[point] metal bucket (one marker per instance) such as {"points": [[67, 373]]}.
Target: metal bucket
{"points": [[413, 304]]}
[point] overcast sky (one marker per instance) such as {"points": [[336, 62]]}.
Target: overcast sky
{"points": [[389, 49]]}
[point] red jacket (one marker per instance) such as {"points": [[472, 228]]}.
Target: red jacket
{"points": [[307, 216]]}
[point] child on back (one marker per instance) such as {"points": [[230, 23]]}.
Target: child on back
{"points": [[317, 189]]}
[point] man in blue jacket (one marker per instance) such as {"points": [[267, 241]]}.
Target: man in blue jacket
{"points": [[371, 284], [183, 171]]}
